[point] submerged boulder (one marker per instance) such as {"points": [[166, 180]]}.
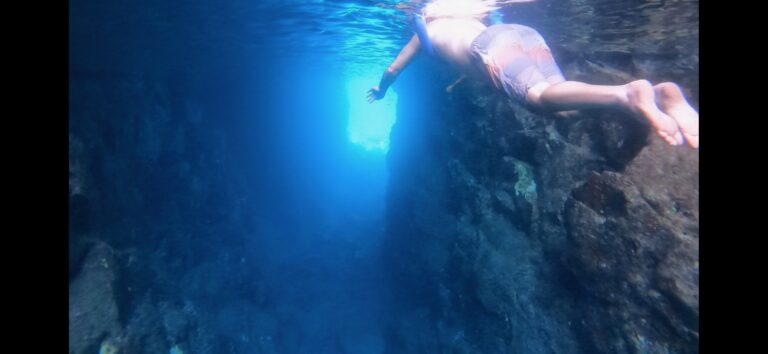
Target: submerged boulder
{"points": [[633, 245], [93, 309]]}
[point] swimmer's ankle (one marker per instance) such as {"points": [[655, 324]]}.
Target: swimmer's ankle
{"points": [[626, 97]]}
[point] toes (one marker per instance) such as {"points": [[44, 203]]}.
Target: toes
{"points": [[692, 140], [674, 140], [678, 137], [665, 137]]}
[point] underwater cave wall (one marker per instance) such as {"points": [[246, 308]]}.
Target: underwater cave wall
{"points": [[161, 196], [525, 233]]}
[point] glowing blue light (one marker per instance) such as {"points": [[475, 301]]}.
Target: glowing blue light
{"points": [[369, 123]]}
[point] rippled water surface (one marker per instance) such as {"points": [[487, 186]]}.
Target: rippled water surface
{"points": [[369, 31]]}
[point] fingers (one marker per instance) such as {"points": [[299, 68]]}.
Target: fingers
{"points": [[373, 94]]}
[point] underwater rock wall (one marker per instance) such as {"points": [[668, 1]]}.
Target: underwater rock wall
{"points": [[525, 233], [146, 199], [93, 310]]}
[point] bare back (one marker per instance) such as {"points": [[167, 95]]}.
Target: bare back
{"points": [[452, 37]]}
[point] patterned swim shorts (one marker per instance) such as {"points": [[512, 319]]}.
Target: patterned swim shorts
{"points": [[516, 58]]}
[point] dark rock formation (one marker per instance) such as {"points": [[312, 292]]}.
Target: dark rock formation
{"points": [[93, 309], [157, 325], [526, 233], [132, 144], [562, 253], [633, 244]]}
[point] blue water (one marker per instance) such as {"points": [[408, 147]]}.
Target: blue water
{"points": [[235, 166]]}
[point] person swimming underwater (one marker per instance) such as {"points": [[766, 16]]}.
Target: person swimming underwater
{"points": [[516, 59]]}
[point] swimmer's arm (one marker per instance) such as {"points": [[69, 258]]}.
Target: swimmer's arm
{"points": [[397, 66], [406, 55]]}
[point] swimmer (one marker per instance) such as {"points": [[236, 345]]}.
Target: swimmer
{"points": [[516, 60]]}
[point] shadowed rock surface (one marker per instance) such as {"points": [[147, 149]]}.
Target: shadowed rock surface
{"points": [[93, 310], [537, 234]]}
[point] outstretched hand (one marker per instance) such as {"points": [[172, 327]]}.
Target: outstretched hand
{"points": [[375, 94]]}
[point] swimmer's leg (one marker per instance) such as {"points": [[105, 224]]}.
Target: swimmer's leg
{"points": [[637, 97], [556, 79]]}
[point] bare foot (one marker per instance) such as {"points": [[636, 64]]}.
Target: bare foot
{"points": [[640, 100], [671, 101]]}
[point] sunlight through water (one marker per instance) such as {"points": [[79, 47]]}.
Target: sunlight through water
{"points": [[369, 124]]}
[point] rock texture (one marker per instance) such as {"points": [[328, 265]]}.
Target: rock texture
{"points": [[526, 233], [633, 243], [134, 143], [93, 311]]}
